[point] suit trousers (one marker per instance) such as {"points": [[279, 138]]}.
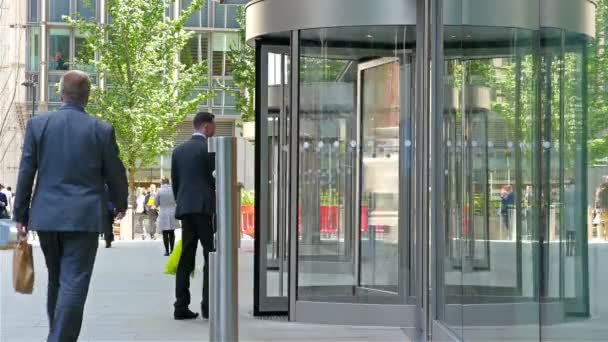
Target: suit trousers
{"points": [[69, 257], [195, 228]]}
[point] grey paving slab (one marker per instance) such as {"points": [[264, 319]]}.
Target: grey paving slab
{"points": [[131, 300]]}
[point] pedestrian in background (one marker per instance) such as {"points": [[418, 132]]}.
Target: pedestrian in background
{"points": [[152, 212], [4, 203], [71, 155], [8, 192], [165, 202]]}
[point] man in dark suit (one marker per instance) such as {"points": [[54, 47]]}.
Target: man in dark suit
{"points": [[194, 189], [72, 155]]}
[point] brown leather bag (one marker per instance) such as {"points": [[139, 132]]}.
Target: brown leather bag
{"points": [[23, 268]]}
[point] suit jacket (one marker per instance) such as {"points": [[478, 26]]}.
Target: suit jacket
{"points": [[192, 169], [73, 155]]}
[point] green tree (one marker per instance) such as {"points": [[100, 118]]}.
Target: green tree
{"points": [[242, 59], [148, 91], [598, 86]]}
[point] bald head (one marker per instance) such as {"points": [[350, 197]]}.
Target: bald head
{"points": [[75, 87]]}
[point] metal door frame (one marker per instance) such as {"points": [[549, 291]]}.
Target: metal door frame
{"points": [[265, 305], [404, 223]]}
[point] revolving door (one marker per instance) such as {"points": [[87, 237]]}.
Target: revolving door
{"points": [[386, 199], [354, 141]]}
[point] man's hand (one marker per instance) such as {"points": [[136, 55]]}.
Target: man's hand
{"points": [[120, 215], [21, 230]]}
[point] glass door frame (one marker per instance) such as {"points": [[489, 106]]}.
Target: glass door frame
{"points": [[265, 305], [405, 215], [406, 315]]}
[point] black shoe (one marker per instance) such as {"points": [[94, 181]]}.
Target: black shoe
{"points": [[166, 254], [205, 314], [184, 314], [108, 245]]}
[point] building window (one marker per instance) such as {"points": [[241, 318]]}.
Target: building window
{"points": [[33, 11], [33, 63], [87, 8], [53, 88], [200, 18], [59, 49], [84, 54], [196, 49], [225, 16], [57, 9], [222, 43]]}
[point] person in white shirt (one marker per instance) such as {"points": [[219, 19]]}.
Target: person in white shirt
{"points": [[8, 192]]}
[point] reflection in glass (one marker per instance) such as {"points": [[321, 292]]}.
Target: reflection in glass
{"points": [[84, 54], [349, 224], [59, 49], [379, 211], [34, 48], [87, 9], [57, 9]]}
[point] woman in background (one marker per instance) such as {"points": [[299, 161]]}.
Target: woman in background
{"points": [[167, 223]]}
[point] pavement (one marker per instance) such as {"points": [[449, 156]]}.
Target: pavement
{"points": [[131, 300]]}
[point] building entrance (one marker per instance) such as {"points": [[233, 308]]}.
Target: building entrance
{"points": [[421, 164]]}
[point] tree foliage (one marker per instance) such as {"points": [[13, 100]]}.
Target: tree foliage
{"points": [[242, 58], [148, 91]]}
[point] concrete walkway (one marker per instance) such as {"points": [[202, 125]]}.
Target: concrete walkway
{"points": [[131, 300]]}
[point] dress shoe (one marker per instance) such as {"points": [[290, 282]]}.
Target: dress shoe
{"points": [[185, 314], [166, 254]]}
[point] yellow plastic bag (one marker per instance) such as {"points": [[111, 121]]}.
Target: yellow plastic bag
{"points": [[171, 266]]}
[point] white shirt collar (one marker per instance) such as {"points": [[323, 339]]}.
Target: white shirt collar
{"points": [[199, 134]]}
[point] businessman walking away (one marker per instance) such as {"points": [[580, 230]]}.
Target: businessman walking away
{"points": [[71, 154], [194, 189]]}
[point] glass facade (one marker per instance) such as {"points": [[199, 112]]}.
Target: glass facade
{"points": [[213, 34], [214, 29], [460, 189]]}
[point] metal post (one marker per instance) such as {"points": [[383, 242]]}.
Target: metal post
{"points": [[212, 307], [226, 266]]}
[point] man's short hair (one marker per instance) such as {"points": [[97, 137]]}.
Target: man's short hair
{"points": [[202, 118], [9, 188], [165, 181], [75, 87]]}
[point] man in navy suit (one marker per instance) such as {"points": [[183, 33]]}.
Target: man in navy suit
{"points": [[192, 169], [72, 155]]}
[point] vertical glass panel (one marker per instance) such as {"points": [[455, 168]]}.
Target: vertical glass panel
{"points": [[59, 49], [200, 18], [34, 48], [231, 14], [490, 259], [379, 230], [87, 8], [84, 54], [33, 10], [220, 16], [221, 42], [57, 9], [190, 54], [352, 225], [53, 88], [195, 19], [573, 212]]}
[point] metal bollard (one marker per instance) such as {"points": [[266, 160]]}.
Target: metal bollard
{"points": [[212, 306], [225, 303]]}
